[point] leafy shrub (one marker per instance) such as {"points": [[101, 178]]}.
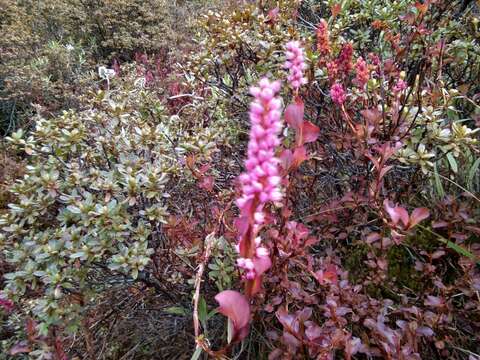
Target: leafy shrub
{"points": [[92, 201], [50, 47]]}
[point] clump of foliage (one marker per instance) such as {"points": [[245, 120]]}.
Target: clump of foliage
{"points": [[93, 200], [50, 49], [93, 192], [387, 132]]}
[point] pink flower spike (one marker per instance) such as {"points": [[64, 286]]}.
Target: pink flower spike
{"points": [[260, 183], [295, 64], [337, 94]]}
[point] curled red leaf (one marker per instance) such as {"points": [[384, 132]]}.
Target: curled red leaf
{"points": [[396, 213], [235, 306]]}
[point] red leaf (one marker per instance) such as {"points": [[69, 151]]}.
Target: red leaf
{"points": [[313, 332], [384, 171], [299, 156], [310, 132], [375, 162], [59, 351], [425, 331], [20, 348], [288, 321], [286, 158], [190, 161], [373, 237], [439, 224], [291, 161], [418, 215], [327, 276], [207, 183], [204, 168], [235, 306], [396, 213], [305, 131], [422, 8], [294, 115], [433, 301], [290, 341], [6, 304], [373, 116]]}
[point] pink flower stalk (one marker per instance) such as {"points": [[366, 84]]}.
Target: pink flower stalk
{"points": [[296, 64], [260, 182], [344, 60], [332, 70], [338, 94], [362, 72]]}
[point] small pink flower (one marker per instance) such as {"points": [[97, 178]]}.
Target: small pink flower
{"points": [[296, 64], [399, 86], [337, 94]]}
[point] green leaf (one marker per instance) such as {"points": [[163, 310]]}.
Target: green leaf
{"points": [[213, 267], [202, 310], [212, 313], [452, 162], [73, 209], [196, 354], [176, 310], [438, 182], [134, 273], [459, 249], [471, 174]]}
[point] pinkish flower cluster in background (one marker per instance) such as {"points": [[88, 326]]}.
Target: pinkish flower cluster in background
{"points": [[362, 72], [296, 64], [344, 60], [323, 40], [338, 94]]}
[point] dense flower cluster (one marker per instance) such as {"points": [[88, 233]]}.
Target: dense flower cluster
{"points": [[323, 41], [296, 64], [362, 72], [332, 70], [338, 94], [260, 182], [344, 60]]}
